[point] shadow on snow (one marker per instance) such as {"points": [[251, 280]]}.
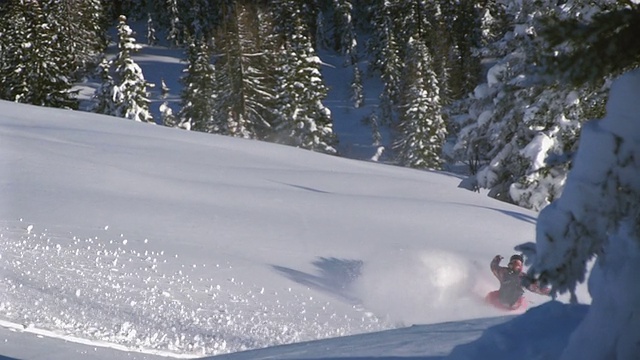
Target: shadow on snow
{"points": [[335, 276]]}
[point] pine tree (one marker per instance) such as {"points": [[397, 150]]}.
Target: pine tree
{"points": [[462, 22], [555, 118], [521, 132], [175, 32], [229, 76], [186, 19], [344, 34], [151, 31], [357, 88], [422, 128], [103, 95], [321, 37], [241, 73], [495, 114], [267, 42], [603, 46], [199, 92], [166, 115], [129, 94], [81, 23], [346, 43], [373, 122], [13, 35], [385, 50], [303, 120], [34, 66], [492, 23], [134, 9]]}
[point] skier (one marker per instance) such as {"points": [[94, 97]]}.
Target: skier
{"points": [[512, 283]]}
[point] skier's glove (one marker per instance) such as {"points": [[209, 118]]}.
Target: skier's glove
{"points": [[498, 258], [529, 282]]}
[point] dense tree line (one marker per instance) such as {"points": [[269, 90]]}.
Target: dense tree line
{"points": [[462, 79], [45, 46]]}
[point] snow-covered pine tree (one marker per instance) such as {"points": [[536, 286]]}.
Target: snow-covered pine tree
{"points": [[494, 128], [322, 42], [373, 122], [12, 36], [187, 19], [267, 42], [346, 43], [422, 129], [196, 20], [519, 130], [34, 66], [175, 31], [492, 23], [456, 37], [616, 44], [598, 214], [344, 33], [302, 119], [133, 9], [199, 90], [245, 93], [204, 16], [556, 116], [103, 96], [167, 117], [438, 39], [385, 50], [421, 22], [152, 39], [81, 25], [159, 12], [598, 217], [129, 94], [357, 88]]}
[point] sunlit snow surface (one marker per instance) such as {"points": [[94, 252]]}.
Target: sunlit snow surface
{"points": [[171, 242], [110, 288], [159, 241]]}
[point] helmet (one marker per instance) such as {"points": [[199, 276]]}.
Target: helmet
{"points": [[517, 257]]}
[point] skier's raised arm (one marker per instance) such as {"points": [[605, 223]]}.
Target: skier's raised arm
{"points": [[496, 269]]}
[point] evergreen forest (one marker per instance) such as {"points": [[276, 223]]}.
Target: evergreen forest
{"points": [[496, 89]]}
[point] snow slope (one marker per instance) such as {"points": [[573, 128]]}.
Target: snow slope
{"points": [[166, 242]]}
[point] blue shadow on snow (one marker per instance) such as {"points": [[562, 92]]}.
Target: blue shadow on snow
{"points": [[335, 276]]}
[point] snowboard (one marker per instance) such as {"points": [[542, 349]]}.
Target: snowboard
{"points": [[493, 300]]}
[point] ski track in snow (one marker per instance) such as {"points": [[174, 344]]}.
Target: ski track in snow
{"points": [[141, 300]]}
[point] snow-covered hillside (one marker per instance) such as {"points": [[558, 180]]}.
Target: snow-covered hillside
{"points": [[168, 242]]}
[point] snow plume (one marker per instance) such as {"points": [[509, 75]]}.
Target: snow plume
{"points": [[421, 287]]}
